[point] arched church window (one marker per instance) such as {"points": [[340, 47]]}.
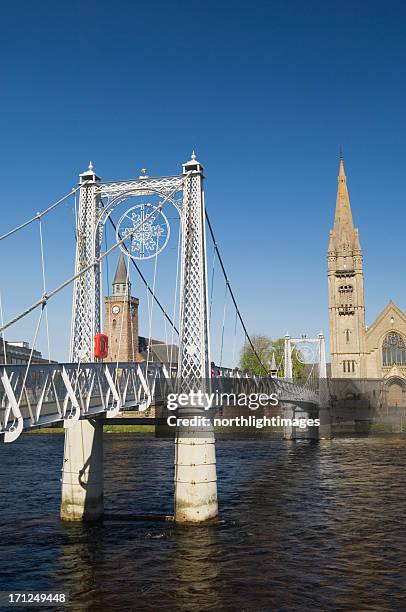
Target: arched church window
{"points": [[347, 335], [393, 350]]}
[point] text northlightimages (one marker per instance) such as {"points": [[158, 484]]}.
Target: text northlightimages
{"points": [[241, 421], [207, 401]]}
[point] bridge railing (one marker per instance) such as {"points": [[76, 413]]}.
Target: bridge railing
{"points": [[48, 393]]}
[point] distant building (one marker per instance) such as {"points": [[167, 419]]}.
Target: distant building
{"points": [[159, 352], [18, 353], [359, 351], [121, 325], [121, 318]]}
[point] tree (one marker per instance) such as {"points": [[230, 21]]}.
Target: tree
{"points": [[298, 367], [249, 360], [265, 348]]}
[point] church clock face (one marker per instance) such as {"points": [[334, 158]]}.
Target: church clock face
{"points": [[116, 309]]}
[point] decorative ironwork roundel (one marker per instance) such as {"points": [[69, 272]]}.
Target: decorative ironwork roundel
{"points": [[146, 231], [306, 352]]}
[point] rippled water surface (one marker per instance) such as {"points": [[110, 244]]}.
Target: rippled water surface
{"points": [[303, 526]]}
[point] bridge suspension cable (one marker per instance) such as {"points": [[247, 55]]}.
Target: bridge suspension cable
{"points": [[232, 293], [41, 214], [47, 296]]}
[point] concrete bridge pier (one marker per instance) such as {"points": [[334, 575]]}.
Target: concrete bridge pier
{"points": [[195, 472], [288, 430], [313, 432], [325, 423], [82, 472], [292, 432]]}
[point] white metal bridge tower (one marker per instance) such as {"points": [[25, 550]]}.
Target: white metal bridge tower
{"points": [[82, 469], [195, 462]]}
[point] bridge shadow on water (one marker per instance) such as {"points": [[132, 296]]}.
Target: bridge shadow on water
{"points": [[302, 526]]}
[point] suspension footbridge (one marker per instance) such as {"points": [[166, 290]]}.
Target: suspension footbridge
{"points": [[88, 389]]}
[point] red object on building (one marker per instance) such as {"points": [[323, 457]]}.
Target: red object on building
{"points": [[101, 346]]}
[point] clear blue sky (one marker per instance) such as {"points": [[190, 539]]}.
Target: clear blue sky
{"points": [[264, 91]]}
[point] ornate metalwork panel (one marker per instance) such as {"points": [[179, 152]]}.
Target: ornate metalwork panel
{"points": [[194, 348], [165, 186], [86, 295]]}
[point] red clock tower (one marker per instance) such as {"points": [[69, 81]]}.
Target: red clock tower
{"points": [[121, 317]]}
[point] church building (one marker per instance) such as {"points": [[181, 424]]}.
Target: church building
{"points": [[358, 351], [121, 325], [121, 318]]}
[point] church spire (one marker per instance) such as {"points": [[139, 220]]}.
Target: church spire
{"points": [[344, 250], [343, 224], [121, 282]]}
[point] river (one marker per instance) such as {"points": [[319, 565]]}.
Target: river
{"points": [[302, 526]]}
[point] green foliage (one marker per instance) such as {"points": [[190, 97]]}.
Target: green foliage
{"points": [[279, 349], [265, 347], [249, 360]]}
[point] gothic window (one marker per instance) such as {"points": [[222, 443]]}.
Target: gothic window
{"points": [[347, 336], [345, 305], [393, 350]]}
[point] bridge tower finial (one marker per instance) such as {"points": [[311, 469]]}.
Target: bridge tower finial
{"points": [[192, 165], [89, 174]]}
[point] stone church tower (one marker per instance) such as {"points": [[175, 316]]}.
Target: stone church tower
{"points": [[121, 318], [376, 352], [346, 290]]}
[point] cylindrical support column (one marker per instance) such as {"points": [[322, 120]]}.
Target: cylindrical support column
{"points": [[82, 472], [288, 430], [195, 476], [325, 423]]}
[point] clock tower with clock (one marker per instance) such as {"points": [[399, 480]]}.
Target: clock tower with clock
{"points": [[121, 317]]}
